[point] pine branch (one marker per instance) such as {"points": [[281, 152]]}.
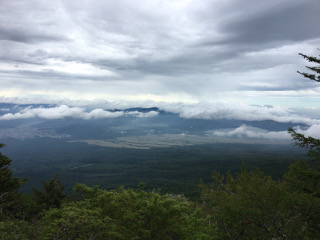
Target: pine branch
{"points": [[302, 141], [310, 76], [310, 59], [315, 69]]}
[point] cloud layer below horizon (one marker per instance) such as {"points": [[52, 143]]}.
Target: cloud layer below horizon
{"points": [[207, 111], [245, 131], [64, 111], [178, 51]]}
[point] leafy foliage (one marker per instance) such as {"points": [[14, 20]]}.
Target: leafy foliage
{"points": [[74, 221], [17, 229], [125, 214], [251, 205], [52, 194]]}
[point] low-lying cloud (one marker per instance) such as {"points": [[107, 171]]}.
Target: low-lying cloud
{"points": [[245, 112], [206, 111], [201, 110], [237, 112], [142, 114], [64, 111], [245, 131], [313, 131]]}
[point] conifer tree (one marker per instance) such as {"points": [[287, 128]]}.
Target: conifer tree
{"points": [[9, 185], [52, 194], [310, 143], [316, 69]]}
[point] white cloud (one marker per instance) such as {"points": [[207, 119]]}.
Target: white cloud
{"points": [[312, 131], [64, 111], [143, 114], [75, 68], [100, 113], [202, 110], [245, 131], [237, 112], [208, 111]]}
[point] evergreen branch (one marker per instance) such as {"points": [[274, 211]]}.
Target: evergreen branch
{"points": [[310, 59]]}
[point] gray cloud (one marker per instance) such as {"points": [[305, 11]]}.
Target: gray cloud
{"points": [[168, 50], [24, 36], [286, 21]]}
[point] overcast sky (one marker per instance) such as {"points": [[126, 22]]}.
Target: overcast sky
{"points": [[231, 51]]}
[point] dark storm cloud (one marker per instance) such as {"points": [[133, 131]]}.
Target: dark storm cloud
{"points": [[289, 22], [274, 26]]}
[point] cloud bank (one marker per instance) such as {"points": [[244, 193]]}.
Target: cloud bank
{"points": [[238, 112], [64, 111], [245, 131], [207, 111], [309, 126]]}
